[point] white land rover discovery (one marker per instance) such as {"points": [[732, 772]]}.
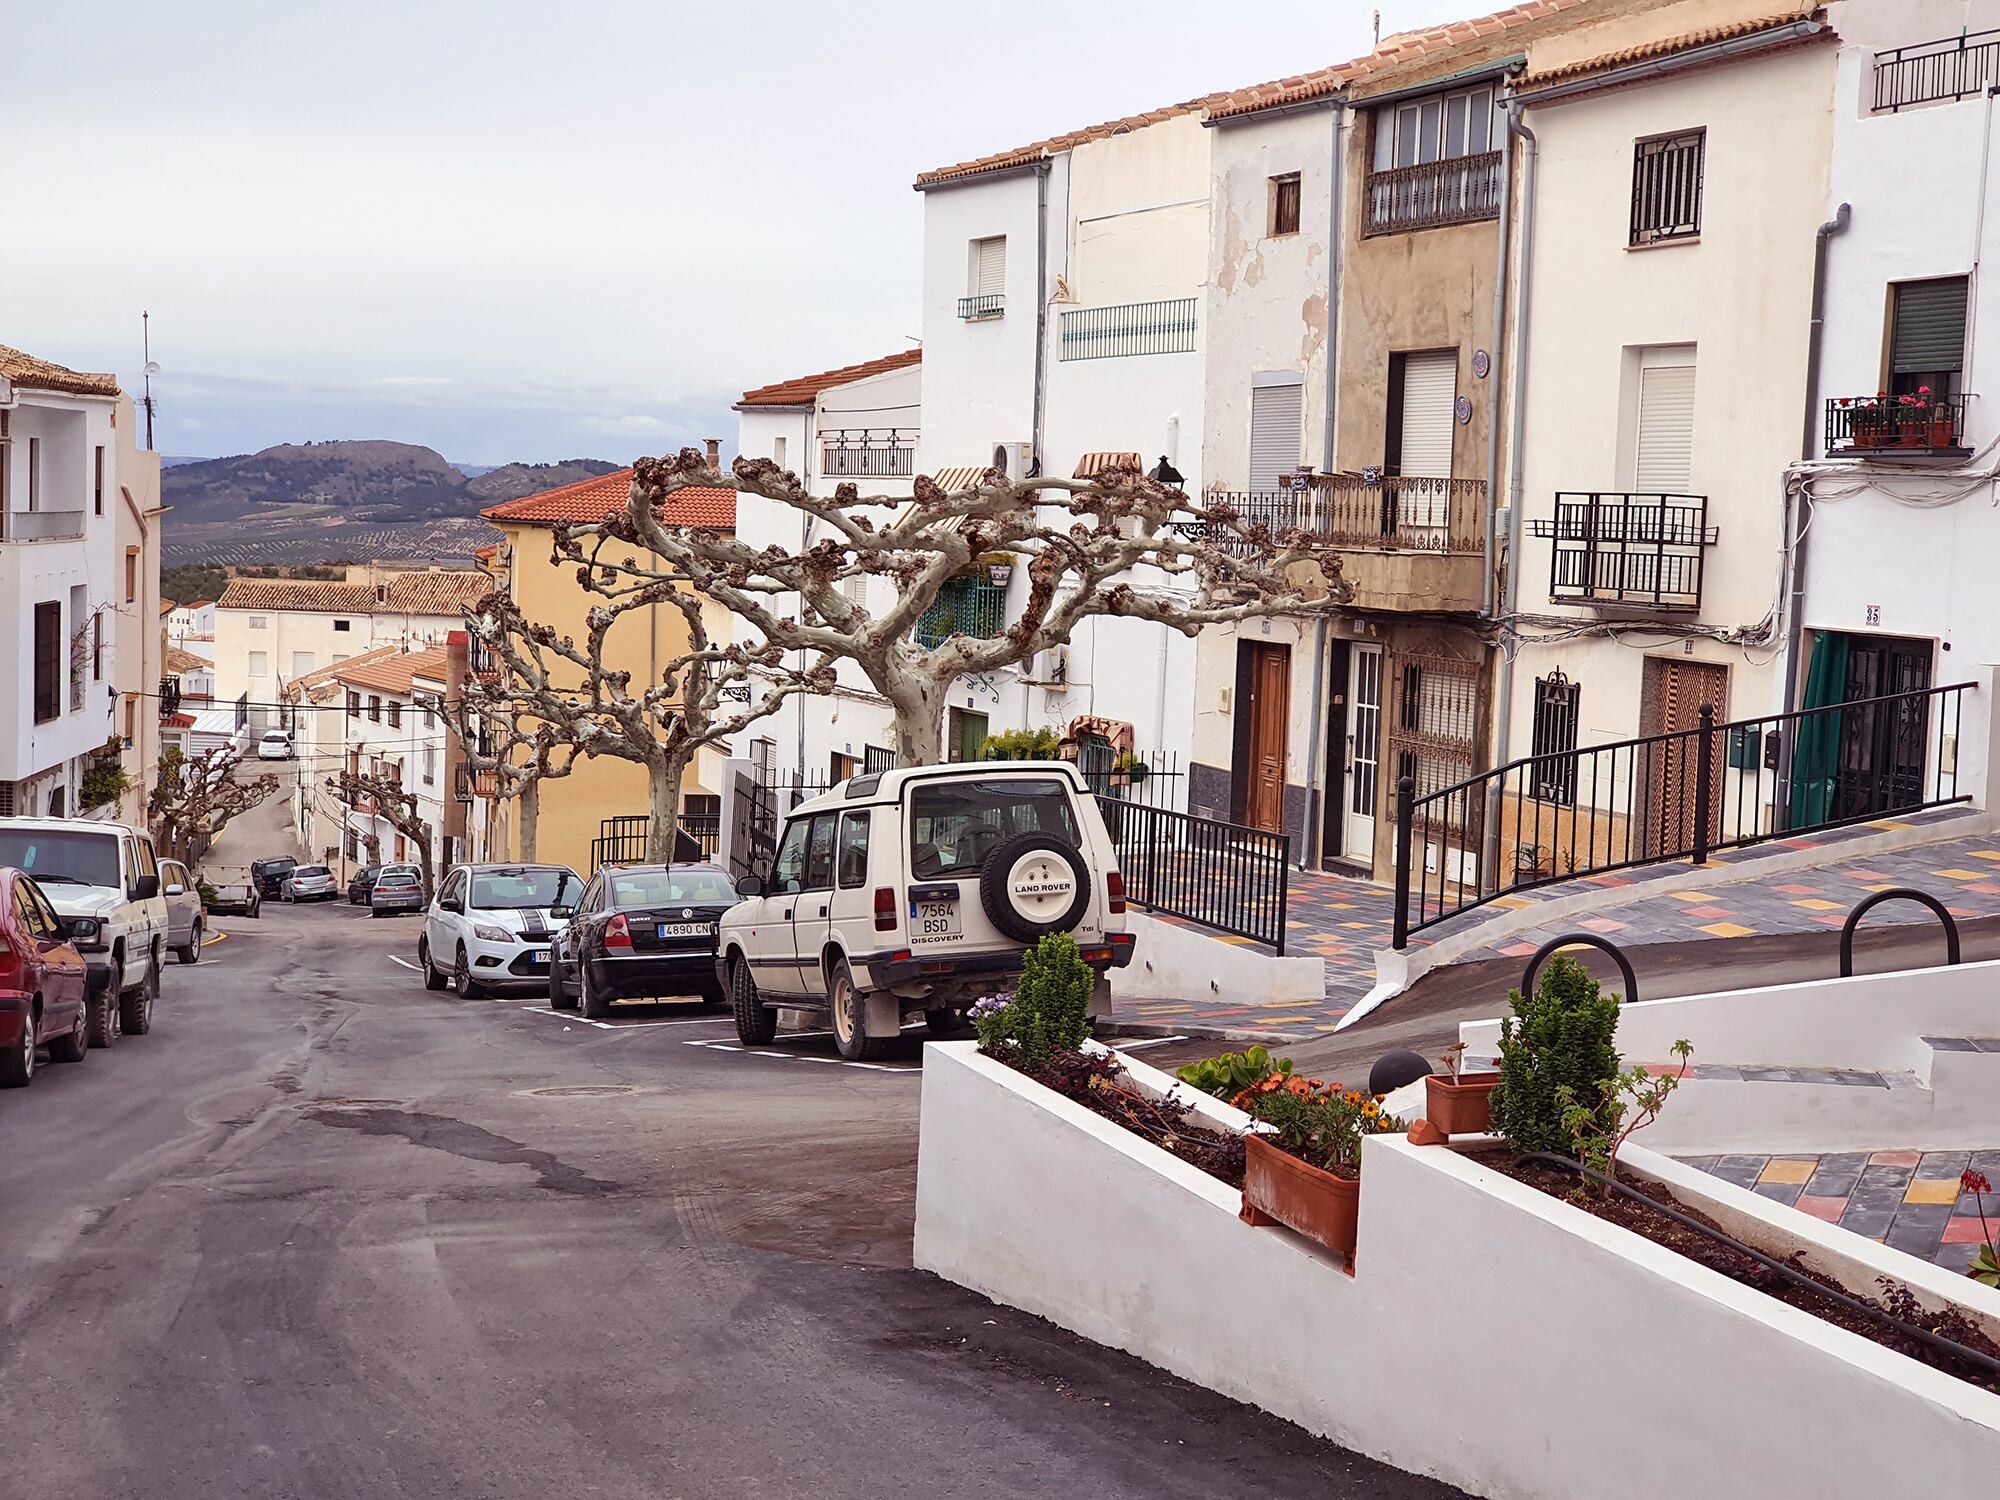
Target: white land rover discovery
{"points": [[919, 890]]}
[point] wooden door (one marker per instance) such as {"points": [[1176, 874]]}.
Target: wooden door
{"points": [[1679, 690], [1269, 708]]}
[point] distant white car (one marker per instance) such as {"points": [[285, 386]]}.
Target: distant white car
{"points": [[276, 745]]}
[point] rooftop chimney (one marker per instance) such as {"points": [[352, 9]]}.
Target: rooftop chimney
{"points": [[714, 446]]}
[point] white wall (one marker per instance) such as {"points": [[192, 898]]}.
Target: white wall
{"points": [[288, 632]]}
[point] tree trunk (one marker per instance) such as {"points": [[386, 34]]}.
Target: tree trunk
{"points": [[919, 709], [530, 803], [664, 783]]}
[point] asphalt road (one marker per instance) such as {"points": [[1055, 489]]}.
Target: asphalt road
{"points": [[323, 1233]]}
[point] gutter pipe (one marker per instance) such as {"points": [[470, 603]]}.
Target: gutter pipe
{"points": [[1309, 850]]}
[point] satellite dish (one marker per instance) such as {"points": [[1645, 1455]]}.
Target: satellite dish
{"points": [[152, 367]]}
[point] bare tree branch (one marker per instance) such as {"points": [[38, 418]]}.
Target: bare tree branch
{"points": [[195, 797], [385, 796]]}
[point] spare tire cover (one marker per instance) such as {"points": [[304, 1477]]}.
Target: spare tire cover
{"points": [[1034, 884]]}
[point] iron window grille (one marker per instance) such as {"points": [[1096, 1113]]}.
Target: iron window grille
{"points": [[1131, 328], [1554, 741], [1666, 187], [964, 606], [1624, 549]]}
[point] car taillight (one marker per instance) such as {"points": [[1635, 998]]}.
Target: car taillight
{"points": [[618, 932], [885, 908], [1114, 890]]}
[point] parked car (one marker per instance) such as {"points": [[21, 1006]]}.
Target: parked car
{"points": [[362, 883], [104, 880], [492, 924], [641, 932], [399, 888], [184, 913], [275, 745], [44, 991], [232, 900], [268, 875], [308, 883], [919, 890]]}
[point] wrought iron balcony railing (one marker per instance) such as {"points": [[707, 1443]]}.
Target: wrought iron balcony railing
{"points": [[1391, 515], [980, 309], [1132, 328], [1457, 190], [1928, 424], [868, 453], [965, 606], [1956, 67], [1622, 549]]}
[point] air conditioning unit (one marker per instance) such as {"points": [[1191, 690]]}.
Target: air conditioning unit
{"points": [[1015, 460], [1048, 667]]}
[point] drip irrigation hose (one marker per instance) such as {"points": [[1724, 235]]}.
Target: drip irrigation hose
{"points": [[1935, 1342]]}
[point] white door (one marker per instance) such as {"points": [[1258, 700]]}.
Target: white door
{"points": [[1364, 750]]}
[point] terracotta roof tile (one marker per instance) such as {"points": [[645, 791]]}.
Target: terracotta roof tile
{"points": [[167, 606], [1093, 464], [421, 593], [591, 501], [179, 661], [1665, 47], [800, 391], [32, 374], [178, 721], [391, 673]]}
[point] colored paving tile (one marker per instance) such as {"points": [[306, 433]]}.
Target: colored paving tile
{"points": [[1818, 903], [1728, 930]]}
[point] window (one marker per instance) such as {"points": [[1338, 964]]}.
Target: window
{"points": [[1434, 162], [48, 661], [1663, 442], [259, 622], [260, 664], [97, 482], [1277, 415], [97, 648], [1666, 187], [353, 704], [789, 868], [985, 279], [1927, 336], [1423, 392], [430, 713], [778, 451], [89, 858], [1438, 127], [395, 714], [877, 758], [853, 859], [79, 612], [819, 854], [430, 764], [1285, 204], [1555, 737], [34, 473], [131, 719], [954, 825], [375, 708], [302, 663], [131, 575], [343, 625]]}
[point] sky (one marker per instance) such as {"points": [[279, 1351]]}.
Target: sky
{"points": [[515, 231]]}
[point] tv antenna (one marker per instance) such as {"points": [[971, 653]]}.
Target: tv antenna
{"points": [[146, 343]]}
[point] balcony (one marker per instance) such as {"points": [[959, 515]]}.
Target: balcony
{"points": [[982, 309], [964, 606], [1132, 328], [41, 525], [1642, 554], [1896, 427], [868, 453], [1456, 190], [1958, 67]]}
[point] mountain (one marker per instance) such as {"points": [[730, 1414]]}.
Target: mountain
{"points": [[369, 480]]}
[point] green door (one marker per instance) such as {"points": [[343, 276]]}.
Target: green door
{"points": [[971, 734]]}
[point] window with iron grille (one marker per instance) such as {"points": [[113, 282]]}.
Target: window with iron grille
{"points": [[1666, 187], [1285, 204], [395, 714], [48, 661], [353, 704], [1555, 738]]}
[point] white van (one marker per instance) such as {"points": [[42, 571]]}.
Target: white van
{"points": [[918, 891]]}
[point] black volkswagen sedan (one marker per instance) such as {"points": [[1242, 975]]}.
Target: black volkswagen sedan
{"points": [[641, 932]]}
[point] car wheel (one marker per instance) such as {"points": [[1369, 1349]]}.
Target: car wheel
{"points": [[17, 1063], [945, 1024], [71, 1047], [432, 979], [595, 1007], [850, 1017], [135, 1006], [756, 1023], [105, 1019], [559, 997], [191, 951], [462, 982], [1032, 885]]}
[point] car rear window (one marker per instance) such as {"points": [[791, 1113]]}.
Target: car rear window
{"points": [[639, 888], [311, 870], [954, 825], [396, 878], [63, 856]]}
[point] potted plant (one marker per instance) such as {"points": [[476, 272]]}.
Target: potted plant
{"points": [[1132, 768], [1455, 1102], [1531, 862], [1913, 420], [1556, 1050], [999, 568], [1304, 1170], [1867, 420]]}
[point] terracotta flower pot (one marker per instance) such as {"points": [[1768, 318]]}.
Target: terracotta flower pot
{"points": [[1463, 1107], [1278, 1187], [1942, 435], [1867, 437], [1914, 435]]}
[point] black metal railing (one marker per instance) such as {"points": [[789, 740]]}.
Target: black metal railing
{"points": [[1666, 188], [480, 660], [1956, 67], [622, 840], [1339, 510], [462, 783], [1155, 779], [1682, 794], [1457, 190], [1625, 549], [1926, 424], [1131, 328], [170, 697], [977, 309], [1222, 876], [868, 453]]}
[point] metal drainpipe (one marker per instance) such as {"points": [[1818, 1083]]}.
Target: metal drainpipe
{"points": [[805, 543], [1795, 605], [1041, 309], [1309, 849], [1487, 589], [1518, 366]]}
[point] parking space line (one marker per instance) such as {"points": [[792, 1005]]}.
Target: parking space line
{"points": [[405, 963], [741, 1051], [1119, 1045]]}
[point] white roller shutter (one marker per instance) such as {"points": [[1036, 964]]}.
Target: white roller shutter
{"points": [[989, 266], [1665, 447], [1277, 415], [1430, 391]]}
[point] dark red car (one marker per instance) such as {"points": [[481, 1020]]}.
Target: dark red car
{"points": [[41, 982]]}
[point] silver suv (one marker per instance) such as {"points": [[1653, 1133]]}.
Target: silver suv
{"points": [[918, 891]]}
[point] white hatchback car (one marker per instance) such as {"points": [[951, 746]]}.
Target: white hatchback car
{"points": [[275, 745], [492, 925], [918, 891]]}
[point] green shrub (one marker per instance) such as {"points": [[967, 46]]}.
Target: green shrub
{"points": [[104, 781], [1556, 1054], [1233, 1072], [1050, 1011], [1021, 744]]}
